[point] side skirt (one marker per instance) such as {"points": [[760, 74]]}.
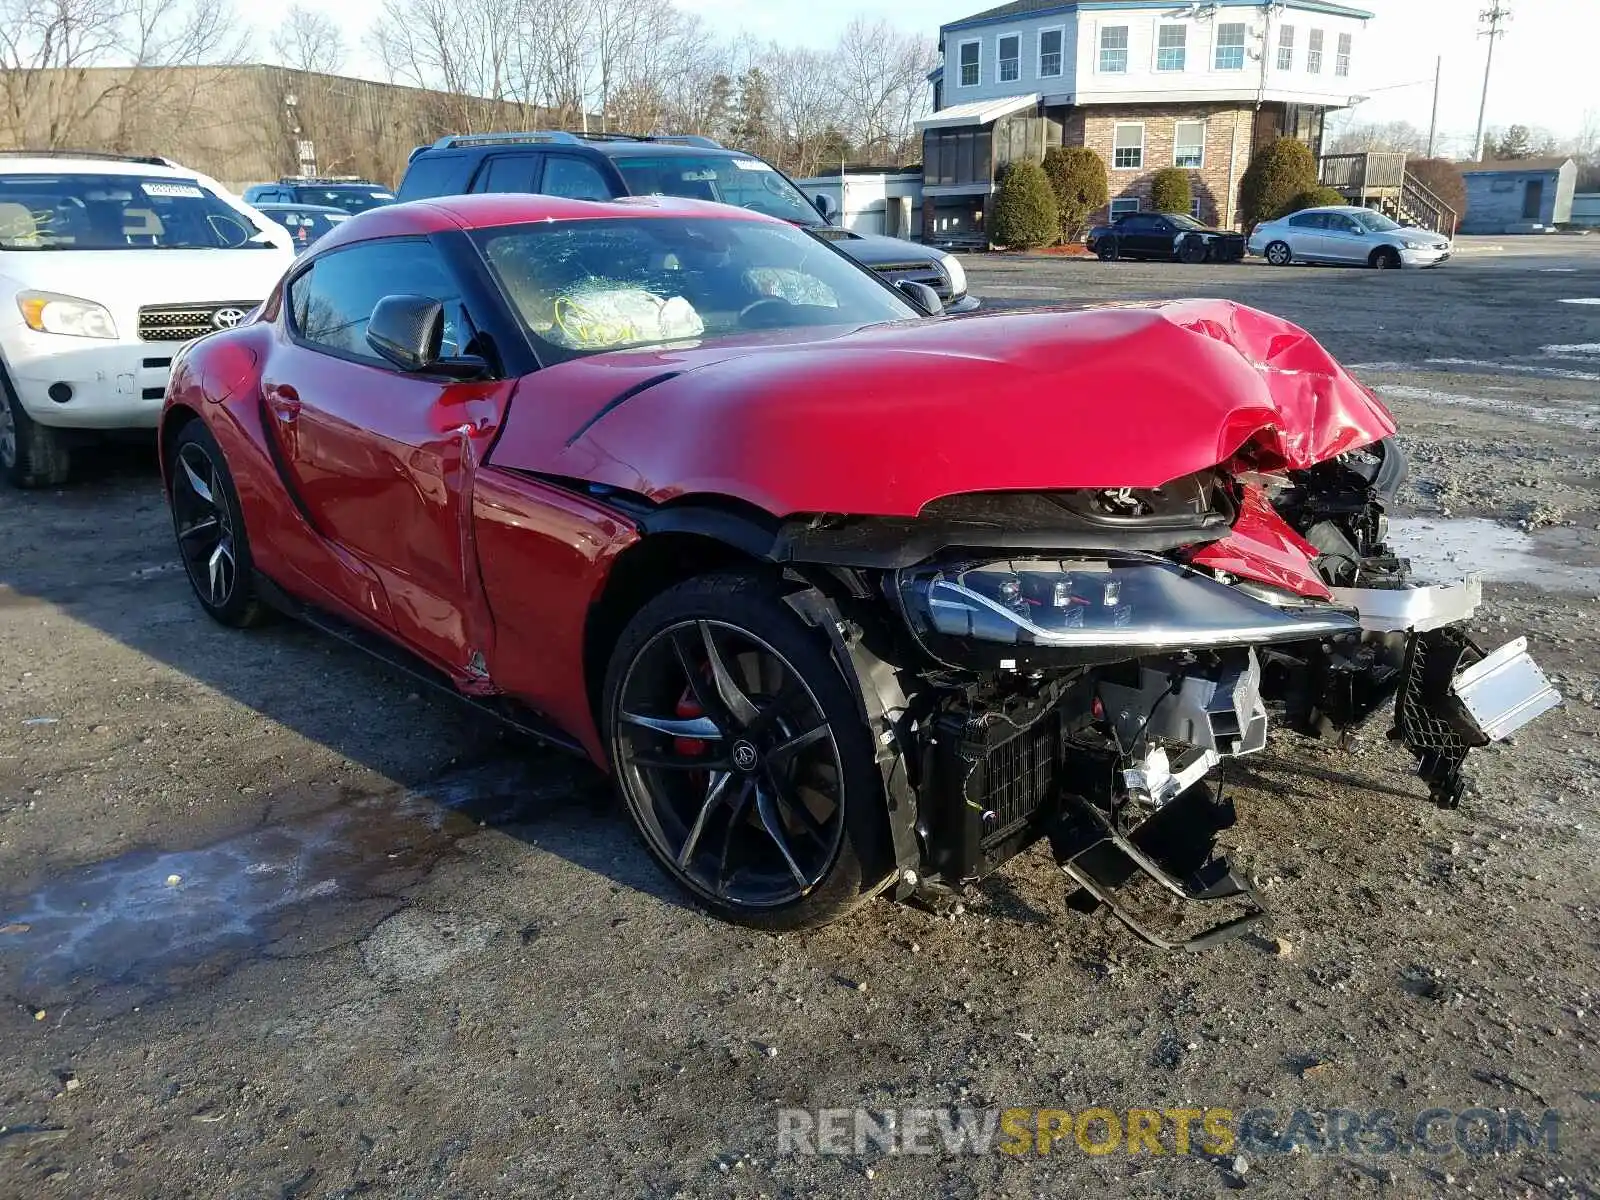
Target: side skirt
{"points": [[503, 709]]}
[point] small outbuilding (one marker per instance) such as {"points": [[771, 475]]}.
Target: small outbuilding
{"points": [[1522, 195], [871, 199]]}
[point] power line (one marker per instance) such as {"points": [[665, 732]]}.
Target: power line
{"points": [[1494, 17]]}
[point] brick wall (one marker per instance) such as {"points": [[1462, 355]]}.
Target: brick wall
{"points": [[1227, 151]]}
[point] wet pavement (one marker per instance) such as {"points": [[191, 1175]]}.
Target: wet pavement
{"points": [[129, 929], [1443, 548]]}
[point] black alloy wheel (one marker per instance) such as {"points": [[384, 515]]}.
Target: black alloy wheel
{"points": [[210, 529], [1108, 250], [741, 756], [1193, 250]]}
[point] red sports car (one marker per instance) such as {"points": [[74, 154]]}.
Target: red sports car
{"points": [[847, 595]]}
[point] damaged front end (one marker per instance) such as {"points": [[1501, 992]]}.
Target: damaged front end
{"points": [[1094, 698]]}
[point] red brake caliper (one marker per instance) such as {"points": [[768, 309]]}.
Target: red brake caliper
{"points": [[688, 709]]}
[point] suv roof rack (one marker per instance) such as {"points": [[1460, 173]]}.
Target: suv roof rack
{"points": [[568, 138], [451, 141], [149, 160]]}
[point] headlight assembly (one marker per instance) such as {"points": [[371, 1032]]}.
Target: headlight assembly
{"points": [[1085, 603], [46, 312]]}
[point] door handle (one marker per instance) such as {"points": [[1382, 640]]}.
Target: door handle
{"points": [[285, 404]]}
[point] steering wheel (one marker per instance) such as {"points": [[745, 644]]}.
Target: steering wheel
{"points": [[775, 307]]}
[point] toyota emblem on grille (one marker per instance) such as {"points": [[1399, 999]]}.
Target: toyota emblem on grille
{"points": [[227, 318]]}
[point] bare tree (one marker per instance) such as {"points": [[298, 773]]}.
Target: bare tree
{"points": [[883, 77], [99, 74], [459, 48], [309, 41]]}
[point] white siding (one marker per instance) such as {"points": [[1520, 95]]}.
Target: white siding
{"points": [[1082, 81]]}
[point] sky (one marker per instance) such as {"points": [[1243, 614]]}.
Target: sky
{"points": [[1544, 72]]}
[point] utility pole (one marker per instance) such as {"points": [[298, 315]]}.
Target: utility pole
{"points": [[1433, 123], [1494, 16]]}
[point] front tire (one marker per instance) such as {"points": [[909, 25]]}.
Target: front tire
{"points": [[1279, 254], [1386, 258], [1193, 251], [1107, 250], [31, 455], [741, 756], [209, 526]]}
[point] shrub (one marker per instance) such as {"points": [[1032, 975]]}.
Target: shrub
{"points": [[1078, 178], [1169, 191], [1278, 172], [1443, 178], [1025, 213], [1317, 197]]}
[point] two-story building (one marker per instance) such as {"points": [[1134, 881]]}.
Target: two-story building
{"points": [[1146, 83]]}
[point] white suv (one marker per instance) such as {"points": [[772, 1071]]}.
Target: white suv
{"points": [[107, 265]]}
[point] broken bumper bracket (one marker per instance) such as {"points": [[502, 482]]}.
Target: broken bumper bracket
{"points": [[1173, 849], [1453, 698]]}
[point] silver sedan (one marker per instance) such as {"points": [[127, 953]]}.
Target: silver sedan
{"points": [[1347, 234]]}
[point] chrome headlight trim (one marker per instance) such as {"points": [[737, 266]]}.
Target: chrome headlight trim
{"points": [[1168, 607]]}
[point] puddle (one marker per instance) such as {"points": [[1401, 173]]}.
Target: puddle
{"points": [[151, 918], [1455, 547]]}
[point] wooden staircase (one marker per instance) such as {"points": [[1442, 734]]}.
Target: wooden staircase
{"points": [[1379, 179]]}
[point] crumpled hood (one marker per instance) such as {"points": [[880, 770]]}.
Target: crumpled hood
{"points": [[883, 420]]}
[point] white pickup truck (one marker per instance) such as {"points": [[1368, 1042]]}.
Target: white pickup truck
{"points": [[107, 265]]}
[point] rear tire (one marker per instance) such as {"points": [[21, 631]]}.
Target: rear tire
{"points": [[209, 526], [1385, 258], [1193, 250], [1279, 254], [784, 826], [31, 455]]}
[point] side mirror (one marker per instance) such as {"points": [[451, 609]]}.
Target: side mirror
{"points": [[923, 296], [826, 207], [408, 332]]}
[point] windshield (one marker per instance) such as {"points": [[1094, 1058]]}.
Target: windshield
{"points": [[351, 199], [1183, 221], [1374, 222], [728, 179], [118, 212], [582, 287]]}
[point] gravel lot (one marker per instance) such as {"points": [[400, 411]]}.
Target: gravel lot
{"points": [[274, 925]]}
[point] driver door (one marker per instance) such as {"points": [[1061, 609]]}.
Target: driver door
{"points": [[381, 461], [1344, 239]]}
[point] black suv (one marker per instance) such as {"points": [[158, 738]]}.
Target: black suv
{"points": [[604, 166], [350, 193]]}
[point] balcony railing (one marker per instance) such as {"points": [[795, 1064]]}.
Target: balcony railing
{"points": [[1363, 174]]}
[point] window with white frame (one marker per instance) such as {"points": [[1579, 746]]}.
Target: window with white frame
{"points": [[1172, 47], [1010, 57], [1194, 209], [1230, 47], [1127, 146], [971, 64], [1113, 49], [1314, 52], [1123, 205], [1341, 62], [1050, 53], [1189, 144], [1286, 47]]}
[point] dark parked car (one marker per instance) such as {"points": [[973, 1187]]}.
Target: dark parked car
{"points": [[351, 194], [1169, 237], [609, 166], [305, 222], [847, 598]]}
